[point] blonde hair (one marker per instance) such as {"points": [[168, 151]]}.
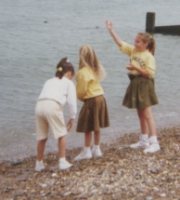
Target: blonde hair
{"points": [[87, 57], [146, 37]]}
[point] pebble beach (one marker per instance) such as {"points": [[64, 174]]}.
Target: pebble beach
{"points": [[121, 173]]}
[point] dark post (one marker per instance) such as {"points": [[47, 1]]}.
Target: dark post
{"points": [[150, 22]]}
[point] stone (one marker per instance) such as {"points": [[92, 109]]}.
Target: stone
{"points": [[162, 195], [54, 175]]}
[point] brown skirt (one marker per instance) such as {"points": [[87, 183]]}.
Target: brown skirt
{"points": [[93, 115], [140, 93]]}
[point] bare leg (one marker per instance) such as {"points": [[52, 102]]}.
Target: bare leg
{"points": [[62, 147], [40, 149], [96, 151], [97, 136], [86, 153], [63, 163], [148, 117], [88, 138], [146, 121], [142, 120], [154, 145], [150, 122]]}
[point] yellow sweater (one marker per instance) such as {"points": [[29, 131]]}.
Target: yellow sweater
{"points": [[144, 60], [87, 84]]}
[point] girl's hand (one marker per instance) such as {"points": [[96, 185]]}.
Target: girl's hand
{"points": [[109, 25], [130, 67], [70, 124], [113, 33]]}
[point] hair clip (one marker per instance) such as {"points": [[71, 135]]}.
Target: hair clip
{"points": [[60, 69]]}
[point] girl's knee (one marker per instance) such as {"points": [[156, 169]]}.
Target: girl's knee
{"points": [[42, 141], [96, 132]]}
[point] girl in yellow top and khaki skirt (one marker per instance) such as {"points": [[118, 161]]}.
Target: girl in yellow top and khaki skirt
{"points": [[94, 113], [140, 93]]}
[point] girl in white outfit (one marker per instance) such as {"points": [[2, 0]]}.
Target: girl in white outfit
{"points": [[49, 114]]}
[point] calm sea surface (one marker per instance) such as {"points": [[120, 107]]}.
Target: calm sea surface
{"points": [[35, 35]]}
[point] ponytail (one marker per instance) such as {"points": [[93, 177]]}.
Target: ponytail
{"points": [[62, 67], [151, 45]]}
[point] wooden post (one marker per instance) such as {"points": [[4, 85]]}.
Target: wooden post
{"points": [[150, 22], [172, 30]]}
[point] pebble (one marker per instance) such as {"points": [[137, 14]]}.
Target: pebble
{"points": [[20, 192], [80, 190], [148, 181], [149, 198], [135, 176], [66, 194], [124, 187], [50, 182], [94, 191], [78, 173], [43, 185], [162, 195], [54, 175], [156, 189]]}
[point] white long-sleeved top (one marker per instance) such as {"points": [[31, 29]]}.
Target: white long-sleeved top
{"points": [[61, 90]]}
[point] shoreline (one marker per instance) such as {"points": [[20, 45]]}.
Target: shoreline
{"points": [[121, 173], [109, 140]]}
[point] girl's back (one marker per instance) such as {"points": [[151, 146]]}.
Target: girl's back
{"points": [[87, 84]]}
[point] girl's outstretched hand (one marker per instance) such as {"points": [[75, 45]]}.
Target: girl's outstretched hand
{"points": [[109, 25], [113, 33], [70, 124]]}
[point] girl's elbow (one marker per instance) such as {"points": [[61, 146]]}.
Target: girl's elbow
{"points": [[80, 97], [119, 43]]}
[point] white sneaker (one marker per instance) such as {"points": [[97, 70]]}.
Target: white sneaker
{"points": [[96, 153], [83, 155], [140, 144], [64, 165], [154, 145], [143, 142], [152, 148], [39, 166]]}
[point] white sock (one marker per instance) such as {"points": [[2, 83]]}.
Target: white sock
{"points": [[153, 139], [40, 162], [62, 159], [87, 149], [144, 135], [95, 147]]}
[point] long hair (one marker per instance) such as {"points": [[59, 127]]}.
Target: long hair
{"points": [[87, 57], [62, 67], [146, 37]]}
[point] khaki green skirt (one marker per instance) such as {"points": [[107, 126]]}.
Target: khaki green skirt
{"points": [[93, 115], [140, 93]]}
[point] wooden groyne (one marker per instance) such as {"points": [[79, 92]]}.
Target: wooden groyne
{"points": [[151, 28]]}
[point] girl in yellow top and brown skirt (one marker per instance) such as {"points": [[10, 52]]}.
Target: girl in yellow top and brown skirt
{"points": [[140, 93], [94, 113]]}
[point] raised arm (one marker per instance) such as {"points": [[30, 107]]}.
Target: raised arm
{"points": [[113, 33]]}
